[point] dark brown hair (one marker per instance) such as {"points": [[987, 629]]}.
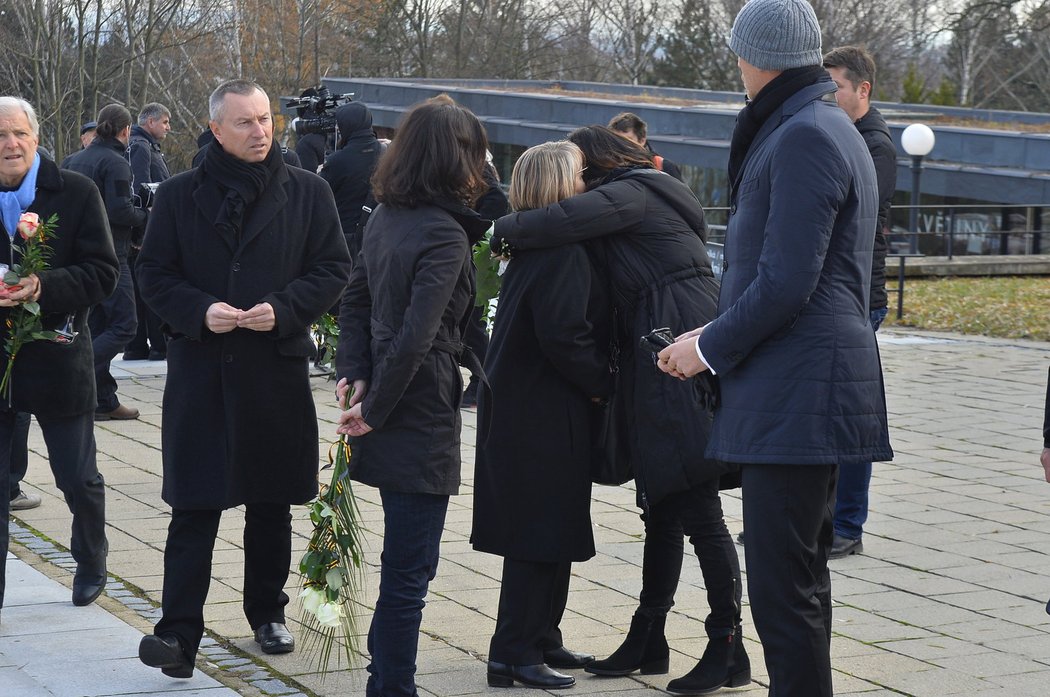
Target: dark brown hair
{"points": [[438, 153], [858, 64], [626, 122], [605, 151], [112, 120]]}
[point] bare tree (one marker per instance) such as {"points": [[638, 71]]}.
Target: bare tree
{"points": [[630, 32]]}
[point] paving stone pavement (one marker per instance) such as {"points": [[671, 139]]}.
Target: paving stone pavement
{"points": [[948, 598]]}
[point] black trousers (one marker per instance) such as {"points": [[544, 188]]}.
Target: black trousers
{"points": [[532, 600], [71, 452], [149, 324], [696, 513], [19, 452], [187, 568], [788, 512]]}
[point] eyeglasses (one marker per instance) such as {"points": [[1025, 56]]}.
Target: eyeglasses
{"points": [[580, 173]]}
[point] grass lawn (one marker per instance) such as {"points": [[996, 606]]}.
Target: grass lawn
{"points": [[1011, 307]]}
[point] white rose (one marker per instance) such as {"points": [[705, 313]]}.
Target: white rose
{"points": [[329, 614], [311, 599]]}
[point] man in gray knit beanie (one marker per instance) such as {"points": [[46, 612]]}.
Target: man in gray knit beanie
{"points": [[777, 34], [792, 345]]}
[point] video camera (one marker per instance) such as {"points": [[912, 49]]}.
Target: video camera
{"points": [[314, 107]]}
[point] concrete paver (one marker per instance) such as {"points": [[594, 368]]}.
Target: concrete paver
{"points": [[948, 597]]}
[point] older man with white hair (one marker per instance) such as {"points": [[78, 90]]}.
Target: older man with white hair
{"points": [[54, 380]]}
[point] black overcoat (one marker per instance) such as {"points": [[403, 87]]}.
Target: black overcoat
{"points": [[53, 380], [532, 479], [400, 327], [239, 424], [660, 276]]}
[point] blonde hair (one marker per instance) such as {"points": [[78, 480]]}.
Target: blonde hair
{"points": [[545, 174]]}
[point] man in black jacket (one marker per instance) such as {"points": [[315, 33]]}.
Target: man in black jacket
{"points": [[853, 70], [147, 159], [147, 167], [51, 380], [349, 169], [113, 321]]}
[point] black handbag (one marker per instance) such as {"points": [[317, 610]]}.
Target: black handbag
{"points": [[610, 449]]}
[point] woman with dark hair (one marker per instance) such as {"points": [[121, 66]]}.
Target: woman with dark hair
{"points": [[399, 353], [114, 321], [659, 276]]}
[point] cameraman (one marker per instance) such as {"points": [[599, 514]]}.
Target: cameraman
{"points": [[349, 169]]}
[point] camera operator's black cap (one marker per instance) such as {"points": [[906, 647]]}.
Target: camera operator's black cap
{"points": [[89, 126]]}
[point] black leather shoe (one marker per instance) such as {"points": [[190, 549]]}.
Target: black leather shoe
{"points": [[274, 637], [561, 657], [87, 586], [842, 547], [539, 675], [165, 652]]}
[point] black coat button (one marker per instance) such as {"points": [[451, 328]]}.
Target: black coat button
{"points": [[228, 358], [236, 266]]}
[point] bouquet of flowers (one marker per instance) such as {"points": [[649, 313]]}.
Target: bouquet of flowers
{"points": [[331, 566], [488, 275], [24, 321]]}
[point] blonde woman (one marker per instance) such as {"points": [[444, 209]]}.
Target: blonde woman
{"points": [[532, 486]]}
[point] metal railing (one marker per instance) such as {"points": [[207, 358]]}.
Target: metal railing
{"points": [[946, 231], [952, 230]]}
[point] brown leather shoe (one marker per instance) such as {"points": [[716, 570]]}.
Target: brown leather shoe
{"points": [[121, 413]]}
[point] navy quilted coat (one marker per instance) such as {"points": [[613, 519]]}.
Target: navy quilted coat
{"points": [[792, 344]]}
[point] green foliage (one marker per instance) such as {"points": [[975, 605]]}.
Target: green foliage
{"points": [[24, 323], [331, 566], [488, 279], [946, 94], [694, 53], [913, 87], [1010, 307], [326, 337]]}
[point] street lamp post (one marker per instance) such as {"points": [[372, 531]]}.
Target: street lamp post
{"points": [[917, 140]]}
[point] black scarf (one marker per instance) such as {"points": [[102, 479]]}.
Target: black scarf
{"points": [[758, 110], [241, 181]]}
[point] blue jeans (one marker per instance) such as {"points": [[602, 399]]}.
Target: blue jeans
{"points": [[412, 526], [113, 324], [851, 499]]}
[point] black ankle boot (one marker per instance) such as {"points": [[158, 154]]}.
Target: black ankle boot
{"points": [[644, 649], [724, 664]]}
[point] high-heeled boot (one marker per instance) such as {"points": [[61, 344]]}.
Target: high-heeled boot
{"points": [[645, 649], [724, 664]]}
